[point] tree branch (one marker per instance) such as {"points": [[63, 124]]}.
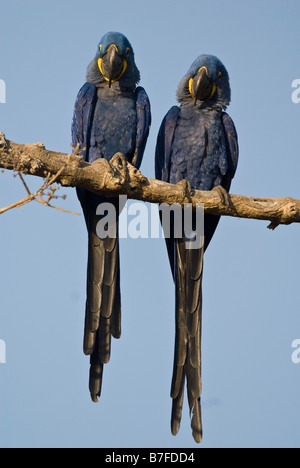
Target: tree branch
{"points": [[118, 177]]}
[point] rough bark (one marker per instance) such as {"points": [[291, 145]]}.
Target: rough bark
{"points": [[118, 177]]}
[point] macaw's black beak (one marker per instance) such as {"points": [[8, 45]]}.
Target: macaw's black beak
{"points": [[201, 86], [112, 65]]}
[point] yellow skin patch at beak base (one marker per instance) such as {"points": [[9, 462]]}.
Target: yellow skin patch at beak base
{"points": [[116, 79], [101, 68], [214, 88]]}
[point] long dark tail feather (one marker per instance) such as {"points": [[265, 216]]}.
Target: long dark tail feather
{"points": [[188, 268], [103, 305], [177, 406], [96, 374], [196, 422]]}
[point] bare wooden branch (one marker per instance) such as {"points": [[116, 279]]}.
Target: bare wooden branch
{"points": [[118, 177]]}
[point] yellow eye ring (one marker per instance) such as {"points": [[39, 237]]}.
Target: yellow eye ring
{"points": [[100, 45], [127, 51]]}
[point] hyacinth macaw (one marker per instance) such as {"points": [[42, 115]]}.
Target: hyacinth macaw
{"points": [[111, 115], [196, 142]]}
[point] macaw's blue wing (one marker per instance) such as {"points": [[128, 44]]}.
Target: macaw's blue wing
{"points": [[80, 130], [143, 125], [232, 150], [164, 144], [162, 166], [232, 146], [82, 117]]}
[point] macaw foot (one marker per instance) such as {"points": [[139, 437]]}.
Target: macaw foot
{"points": [[223, 194], [126, 173], [187, 190], [118, 163]]}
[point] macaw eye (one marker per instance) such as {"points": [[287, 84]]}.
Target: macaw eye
{"points": [[127, 51], [219, 75], [100, 47]]}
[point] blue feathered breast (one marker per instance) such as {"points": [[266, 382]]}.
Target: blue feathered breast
{"points": [[199, 152]]}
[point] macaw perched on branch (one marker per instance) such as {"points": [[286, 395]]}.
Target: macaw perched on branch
{"points": [[111, 115], [197, 142]]}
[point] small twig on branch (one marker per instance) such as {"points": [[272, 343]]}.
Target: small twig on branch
{"points": [[40, 193], [19, 203], [24, 183], [118, 177], [33, 197]]}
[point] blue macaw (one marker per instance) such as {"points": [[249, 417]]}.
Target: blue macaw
{"points": [[111, 115], [197, 142]]}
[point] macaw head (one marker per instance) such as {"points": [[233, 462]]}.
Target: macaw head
{"points": [[113, 63], [207, 81]]}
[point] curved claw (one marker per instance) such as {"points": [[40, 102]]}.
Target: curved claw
{"points": [[223, 194], [186, 189]]}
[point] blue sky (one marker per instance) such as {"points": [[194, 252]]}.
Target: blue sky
{"points": [[251, 311]]}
